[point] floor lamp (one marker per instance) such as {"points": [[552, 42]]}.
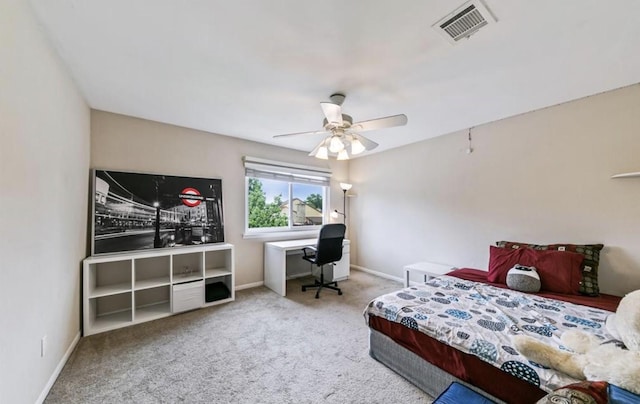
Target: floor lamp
{"points": [[345, 187]]}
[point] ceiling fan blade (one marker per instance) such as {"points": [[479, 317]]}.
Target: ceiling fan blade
{"points": [[303, 133], [333, 112], [380, 123]]}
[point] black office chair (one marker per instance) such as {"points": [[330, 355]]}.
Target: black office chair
{"points": [[327, 251]]}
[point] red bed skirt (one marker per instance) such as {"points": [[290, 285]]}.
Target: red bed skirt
{"points": [[468, 367]]}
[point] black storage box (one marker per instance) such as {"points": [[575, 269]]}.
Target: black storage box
{"points": [[216, 291]]}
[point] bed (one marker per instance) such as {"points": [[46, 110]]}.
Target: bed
{"points": [[457, 327]]}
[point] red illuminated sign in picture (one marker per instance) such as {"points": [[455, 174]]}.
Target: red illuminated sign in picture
{"points": [[191, 197]]}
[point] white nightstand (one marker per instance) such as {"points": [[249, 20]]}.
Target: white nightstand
{"points": [[428, 269]]}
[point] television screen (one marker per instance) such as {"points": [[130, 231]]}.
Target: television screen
{"points": [[134, 211]]}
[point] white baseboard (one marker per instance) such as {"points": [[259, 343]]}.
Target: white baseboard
{"points": [[249, 285], [58, 369], [377, 273], [359, 268]]}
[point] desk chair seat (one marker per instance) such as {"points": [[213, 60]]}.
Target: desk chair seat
{"points": [[328, 250]]}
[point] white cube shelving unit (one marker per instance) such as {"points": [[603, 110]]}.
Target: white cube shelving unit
{"points": [[130, 288]]}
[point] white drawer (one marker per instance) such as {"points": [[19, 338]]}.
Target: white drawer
{"points": [[188, 296]]}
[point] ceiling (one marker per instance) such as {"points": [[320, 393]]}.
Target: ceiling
{"points": [[253, 69]]}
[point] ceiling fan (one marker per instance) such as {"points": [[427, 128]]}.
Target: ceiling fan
{"points": [[343, 135]]}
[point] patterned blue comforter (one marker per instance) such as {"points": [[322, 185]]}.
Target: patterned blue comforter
{"points": [[479, 319]]}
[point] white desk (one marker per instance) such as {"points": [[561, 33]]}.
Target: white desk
{"points": [[275, 262]]}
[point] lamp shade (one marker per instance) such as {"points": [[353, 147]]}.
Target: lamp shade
{"points": [[336, 145], [345, 186], [343, 155], [356, 146]]}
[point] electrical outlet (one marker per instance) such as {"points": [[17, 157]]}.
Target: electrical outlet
{"points": [[43, 346]]}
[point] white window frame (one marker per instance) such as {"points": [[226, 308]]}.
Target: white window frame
{"points": [[291, 173]]}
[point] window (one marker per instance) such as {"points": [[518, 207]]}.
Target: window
{"points": [[282, 197]]}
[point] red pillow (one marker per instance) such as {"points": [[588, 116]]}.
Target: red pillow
{"points": [[501, 260], [559, 271]]}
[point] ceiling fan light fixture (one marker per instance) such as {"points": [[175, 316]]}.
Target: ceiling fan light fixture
{"points": [[356, 146], [343, 155], [336, 145], [341, 139]]}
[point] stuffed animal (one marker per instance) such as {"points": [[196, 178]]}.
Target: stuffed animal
{"points": [[593, 359], [524, 279]]}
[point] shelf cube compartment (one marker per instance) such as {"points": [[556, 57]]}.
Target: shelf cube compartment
{"points": [[107, 278], [109, 312], [151, 272], [218, 260], [218, 289], [152, 303], [187, 267]]}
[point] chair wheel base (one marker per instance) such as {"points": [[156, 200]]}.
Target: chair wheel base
{"points": [[321, 285]]}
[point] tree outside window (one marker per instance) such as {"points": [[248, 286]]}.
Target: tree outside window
{"points": [[283, 205]]}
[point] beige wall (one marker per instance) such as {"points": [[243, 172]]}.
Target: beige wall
{"points": [[539, 177], [129, 144], [44, 178]]}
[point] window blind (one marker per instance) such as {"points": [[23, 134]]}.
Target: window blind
{"points": [[274, 170]]}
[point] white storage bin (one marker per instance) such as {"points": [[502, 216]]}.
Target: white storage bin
{"points": [[188, 296]]}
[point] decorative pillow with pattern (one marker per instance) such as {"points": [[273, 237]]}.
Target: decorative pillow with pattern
{"points": [[591, 252]]}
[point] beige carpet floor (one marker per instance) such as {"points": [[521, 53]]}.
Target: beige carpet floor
{"points": [[261, 348]]}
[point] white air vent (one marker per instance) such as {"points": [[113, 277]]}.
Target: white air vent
{"points": [[464, 21]]}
